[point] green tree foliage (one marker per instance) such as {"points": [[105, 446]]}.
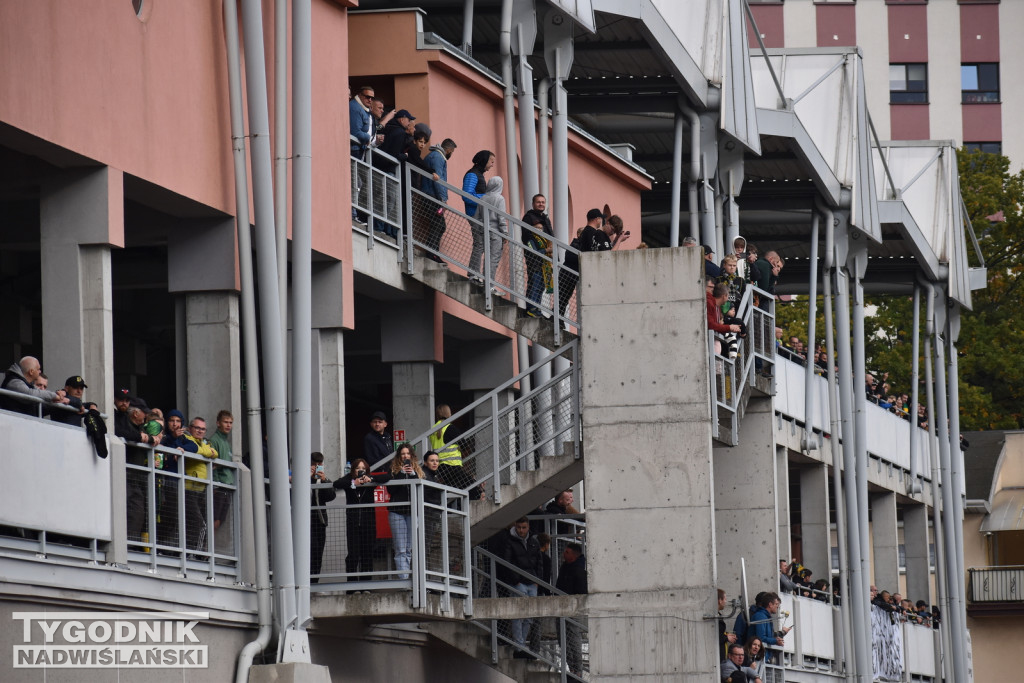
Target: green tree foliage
{"points": [[991, 344]]}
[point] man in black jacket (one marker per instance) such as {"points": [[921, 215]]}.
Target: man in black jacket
{"points": [[319, 498], [377, 444], [523, 552], [572, 579], [397, 138]]}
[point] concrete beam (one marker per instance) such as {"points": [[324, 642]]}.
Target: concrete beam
{"points": [[885, 541]]}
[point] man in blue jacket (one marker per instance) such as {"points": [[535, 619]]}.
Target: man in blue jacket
{"points": [[762, 623], [362, 128], [437, 161]]}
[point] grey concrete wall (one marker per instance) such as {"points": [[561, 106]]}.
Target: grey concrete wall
{"points": [[745, 493], [885, 541], [647, 440], [214, 360], [329, 410], [814, 521], [412, 397], [80, 212], [915, 542]]}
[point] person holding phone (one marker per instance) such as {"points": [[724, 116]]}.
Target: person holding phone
{"points": [[404, 466], [360, 525], [319, 497]]}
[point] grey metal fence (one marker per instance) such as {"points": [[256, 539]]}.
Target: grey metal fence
{"points": [[180, 517], [376, 198]]}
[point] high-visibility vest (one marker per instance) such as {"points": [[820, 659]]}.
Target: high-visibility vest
{"points": [[450, 454]]}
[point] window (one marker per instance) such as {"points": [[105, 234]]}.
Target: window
{"points": [[908, 83], [979, 83], [987, 147]]}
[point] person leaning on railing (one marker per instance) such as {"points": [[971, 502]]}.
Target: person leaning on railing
{"points": [[195, 492], [21, 378]]}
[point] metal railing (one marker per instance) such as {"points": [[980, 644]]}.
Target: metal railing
{"points": [[38, 407], [180, 517], [560, 642], [376, 197], [516, 435], [428, 534], [996, 584], [754, 353], [563, 530], [491, 247]]}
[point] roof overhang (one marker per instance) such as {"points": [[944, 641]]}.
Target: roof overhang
{"points": [[1007, 512]]}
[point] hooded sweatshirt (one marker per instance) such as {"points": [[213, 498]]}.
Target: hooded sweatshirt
{"points": [[14, 380], [493, 197]]}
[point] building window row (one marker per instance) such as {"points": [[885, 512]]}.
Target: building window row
{"points": [[908, 83]]}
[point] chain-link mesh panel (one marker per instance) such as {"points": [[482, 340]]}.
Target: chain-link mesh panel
{"points": [[479, 241]]}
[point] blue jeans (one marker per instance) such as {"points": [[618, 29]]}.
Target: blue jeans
{"points": [[534, 282], [521, 627], [401, 537]]}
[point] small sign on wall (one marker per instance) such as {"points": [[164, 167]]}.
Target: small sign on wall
{"points": [[399, 435]]}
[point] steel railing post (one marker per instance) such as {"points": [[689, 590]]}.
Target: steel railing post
{"points": [[407, 232], [485, 265], [496, 447], [182, 524], [151, 507]]}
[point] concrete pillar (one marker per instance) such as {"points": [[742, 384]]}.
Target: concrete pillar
{"points": [[785, 545], [328, 367], [885, 541], [412, 401], [81, 215], [201, 265], [214, 359], [814, 521], [745, 493], [915, 544], [329, 411], [648, 469]]}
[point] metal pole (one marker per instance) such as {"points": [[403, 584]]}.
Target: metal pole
{"points": [[677, 180], [281, 149], [855, 597], [956, 455], [467, 27], [542, 146], [835, 448], [809, 443], [691, 190], [560, 163], [915, 373], [955, 611], [254, 430], [505, 50], [302, 295], [270, 312]]}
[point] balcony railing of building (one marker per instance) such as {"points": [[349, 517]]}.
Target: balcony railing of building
{"points": [[183, 512], [512, 437], [563, 530], [736, 360], [560, 642], [995, 584], [416, 542], [376, 199]]}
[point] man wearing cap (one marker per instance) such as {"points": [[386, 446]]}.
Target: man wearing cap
{"points": [[377, 444], [21, 378], [711, 269], [74, 389], [396, 139]]}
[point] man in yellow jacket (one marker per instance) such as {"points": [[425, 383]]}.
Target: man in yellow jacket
{"points": [[195, 492]]}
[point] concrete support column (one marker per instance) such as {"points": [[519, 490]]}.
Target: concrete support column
{"points": [[81, 215], [329, 411], [648, 467], [785, 539], [214, 358], [885, 541], [412, 397], [915, 544], [814, 520], [745, 493]]}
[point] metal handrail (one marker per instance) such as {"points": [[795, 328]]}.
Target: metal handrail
{"points": [[27, 398], [518, 251], [491, 422], [374, 176]]}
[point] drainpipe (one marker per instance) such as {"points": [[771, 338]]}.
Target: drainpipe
{"points": [[937, 515], [691, 189], [834, 427], [302, 295], [560, 160], [254, 432], [808, 442], [956, 455], [505, 50], [677, 180], [954, 614], [861, 625], [467, 27], [542, 146], [915, 372], [281, 149], [271, 322]]}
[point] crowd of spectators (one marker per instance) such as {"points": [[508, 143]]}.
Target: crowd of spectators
{"points": [[904, 609]]}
